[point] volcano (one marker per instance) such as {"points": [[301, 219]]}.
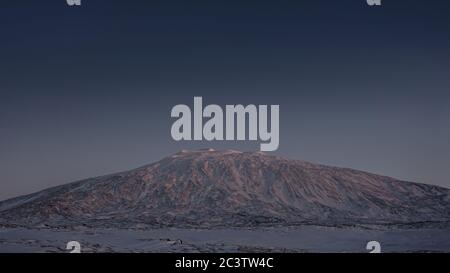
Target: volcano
{"points": [[208, 188]]}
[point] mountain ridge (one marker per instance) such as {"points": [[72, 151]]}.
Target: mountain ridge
{"points": [[209, 188]]}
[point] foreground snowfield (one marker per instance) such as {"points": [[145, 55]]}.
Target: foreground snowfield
{"points": [[298, 239]]}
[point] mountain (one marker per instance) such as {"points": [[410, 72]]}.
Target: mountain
{"points": [[209, 188]]}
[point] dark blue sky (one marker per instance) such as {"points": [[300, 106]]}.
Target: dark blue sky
{"points": [[88, 90]]}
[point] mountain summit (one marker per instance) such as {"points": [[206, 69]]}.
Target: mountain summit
{"points": [[208, 188]]}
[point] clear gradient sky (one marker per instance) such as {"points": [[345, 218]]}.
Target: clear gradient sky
{"points": [[86, 91]]}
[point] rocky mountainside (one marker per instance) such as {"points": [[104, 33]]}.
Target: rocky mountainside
{"points": [[210, 188]]}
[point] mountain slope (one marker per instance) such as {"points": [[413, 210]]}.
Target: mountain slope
{"points": [[209, 188]]}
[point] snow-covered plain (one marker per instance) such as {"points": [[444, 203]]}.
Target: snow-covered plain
{"points": [[298, 239]]}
